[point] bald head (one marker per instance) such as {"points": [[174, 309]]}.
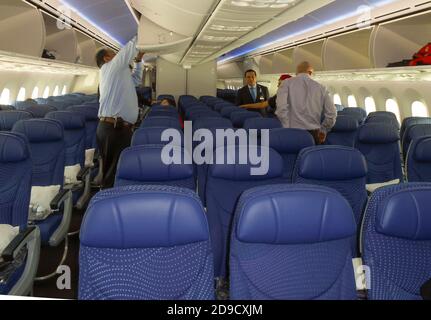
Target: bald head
{"points": [[305, 67]]}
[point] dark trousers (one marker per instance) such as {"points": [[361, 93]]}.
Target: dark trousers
{"points": [[112, 141]]}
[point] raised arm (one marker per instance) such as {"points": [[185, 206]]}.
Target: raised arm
{"points": [[126, 54]]}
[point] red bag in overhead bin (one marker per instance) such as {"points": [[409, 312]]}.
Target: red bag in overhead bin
{"points": [[423, 57]]}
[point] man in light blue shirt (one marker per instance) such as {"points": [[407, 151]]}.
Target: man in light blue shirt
{"points": [[302, 102], [119, 110]]}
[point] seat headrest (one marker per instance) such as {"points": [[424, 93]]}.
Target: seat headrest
{"points": [[13, 147], [70, 120], [406, 215], [161, 122], [293, 215], [229, 167], [9, 118], [334, 163], [345, 124], [152, 135], [144, 163], [40, 130], [378, 133], [262, 123], [290, 141], [144, 217], [90, 113], [422, 152], [207, 123], [420, 130]]}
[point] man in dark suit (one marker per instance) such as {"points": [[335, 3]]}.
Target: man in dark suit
{"points": [[252, 93]]}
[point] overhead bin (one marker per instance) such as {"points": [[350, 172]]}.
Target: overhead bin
{"points": [[349, 51], [87, 49], [283, 62], [21, 28], [311, 52], [400, 39], [266, 63], [60, 40]]}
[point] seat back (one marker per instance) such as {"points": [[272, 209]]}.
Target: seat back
{"points": [[91, 122], [9, 118], [169, 122], [379, 143], [419, 160], [396, 241], [262, 123], [292, 242], [341, 168], [47, 148], [211, 123], [145, 165], [15, 177], [74, 135], [289, 143], [416, 131], [383, 114], [359, 113], [225, 184], [226, 112], [153, 135], [6, 107], [344, 132], [40, 110], [412, 121], [238, 118], [165, 96], [145, 243]]}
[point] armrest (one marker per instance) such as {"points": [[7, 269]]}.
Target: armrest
{"points": [[82, 174], [59, 199], [16, 244]]}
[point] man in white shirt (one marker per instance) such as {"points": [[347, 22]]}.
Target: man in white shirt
{"points": [[119, 110], [303, 103]]}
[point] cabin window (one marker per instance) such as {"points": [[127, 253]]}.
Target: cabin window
{"points": [[56, 91], [337, 99], [21, 95], [64, 90], [392, 106], [351, 101], [419, 109], [35, 93], [5, 96], [46, 93], [370, 105]]}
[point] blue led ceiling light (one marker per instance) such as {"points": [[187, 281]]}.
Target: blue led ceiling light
{"points": [[113, 18], [305, 24]]}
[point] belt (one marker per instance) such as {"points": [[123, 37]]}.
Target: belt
{"points": [[117, 122]]}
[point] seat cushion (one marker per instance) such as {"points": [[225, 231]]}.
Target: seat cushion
{"points": [[48, 226]]}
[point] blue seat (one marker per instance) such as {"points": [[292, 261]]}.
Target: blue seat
{"points": [[21, 257], [211, 123], [384, 119], [396, 241], [145, 243], [186, 100], [419, 160], [238, 118], [387, 114], [262, 123], [339, 107], [167, 109], [289, 143], [226, 112], [162, 122], [225, 184], [203, 114], [47, 148], [153, 135], [416, 131], [219, 106], [341, 168], [410, 122], [75, 141], [360, 112], [143, 165], [22, 105], [196, 109], [91, 122], [344, 132], [9, 118], [172, 115], [292, 242], [40, 110], [379, 143]]}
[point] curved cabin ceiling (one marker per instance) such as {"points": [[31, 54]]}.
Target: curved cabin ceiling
{"points": [[206, 27]]}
